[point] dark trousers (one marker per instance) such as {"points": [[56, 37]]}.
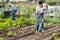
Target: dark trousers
{"points": [[13, 14]]}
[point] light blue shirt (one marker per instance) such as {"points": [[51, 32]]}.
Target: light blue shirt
{"points": [[13, 7]]}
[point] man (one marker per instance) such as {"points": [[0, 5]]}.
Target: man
{"points": [[13, 10], [40, 15]]}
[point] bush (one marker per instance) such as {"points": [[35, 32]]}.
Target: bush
{"points": [[27, 22], [2, 20], [11, 34], [11, 23], [51, 3], [59, 3], [33, 21], [2, 38], [2, 26], [1, 15], [55, 35]]}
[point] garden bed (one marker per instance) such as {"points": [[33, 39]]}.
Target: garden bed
{"points": [[20, 32]]}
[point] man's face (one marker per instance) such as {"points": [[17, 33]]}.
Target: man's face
{"points": [[40, 5]]}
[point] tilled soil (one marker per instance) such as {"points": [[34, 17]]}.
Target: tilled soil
{"points": [[43, 35], [59, 38], [27, 33]]}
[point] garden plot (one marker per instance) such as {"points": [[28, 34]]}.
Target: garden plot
{"points": [[47, 35], [27, 33]]}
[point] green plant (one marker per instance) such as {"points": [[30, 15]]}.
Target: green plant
{"points": [[2, 20], [1, 27], [55, 35], [2, 38], [1, 15], [33, 21], [51, 3], [27, 21], [11, 34]]}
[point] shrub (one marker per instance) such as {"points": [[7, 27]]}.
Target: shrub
{"points": [[27, 22], [55, 35], [2, 38], [11, 34], [2, 26], [33, 21], [2, 20], [1, 15], [51, 3]]}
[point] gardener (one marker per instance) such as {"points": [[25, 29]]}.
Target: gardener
{"points": [[40, 15], [13, 10]]}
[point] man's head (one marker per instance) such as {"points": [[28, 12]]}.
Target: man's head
{"points": [[40, 3], [9, 5]]}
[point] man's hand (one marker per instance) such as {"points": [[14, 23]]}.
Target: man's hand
{"points": [[39, 14], [10, 10], [46, 11]]}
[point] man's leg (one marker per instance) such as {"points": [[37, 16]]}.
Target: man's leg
{"points": [[13, 15], [42, 25], [37, 26], [37, 23]]}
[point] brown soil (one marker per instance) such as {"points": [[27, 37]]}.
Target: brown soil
{"points": [[27, 33], [47, 35]]}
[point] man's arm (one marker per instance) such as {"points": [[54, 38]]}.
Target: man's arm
{"points": [[38, 11], [46, 8]]}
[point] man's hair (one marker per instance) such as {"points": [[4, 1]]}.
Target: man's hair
{"points": [[40, 2], [9, 5]]}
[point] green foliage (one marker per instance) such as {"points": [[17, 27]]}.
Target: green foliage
{"points": [[59, 3], [51, 3], [11, 34], [48, 19], [2, 20], [2, 26], [21, 21], [7, 0], [11, 22], [1, 15], [27, 22], [33, 21], [2, 38], [55, 35], [51, 21]]}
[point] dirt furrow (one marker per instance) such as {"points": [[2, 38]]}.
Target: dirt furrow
{"points": [[50, 36], [25, 31], [41, 35]]}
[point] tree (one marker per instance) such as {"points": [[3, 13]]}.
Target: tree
{"points": [[2, 3], [7, 0]]}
